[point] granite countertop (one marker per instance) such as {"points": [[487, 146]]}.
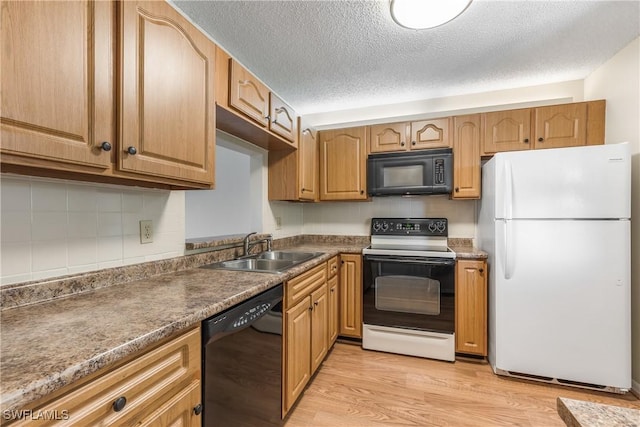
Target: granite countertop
{"points": [[49, 344], [577, 413]]}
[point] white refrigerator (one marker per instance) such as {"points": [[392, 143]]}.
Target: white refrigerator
{"points": [[556, 225]]}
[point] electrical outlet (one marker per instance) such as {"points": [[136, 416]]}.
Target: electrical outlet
{"points": [[278, 223], [146, 231]]}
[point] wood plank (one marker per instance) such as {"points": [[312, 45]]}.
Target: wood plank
{"points": [[357, 387]]}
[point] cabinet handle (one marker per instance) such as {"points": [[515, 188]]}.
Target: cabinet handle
{"points": [[105, 146], [526, 140], [457, 189], [197, 410], [540, 139], [119, 404], [132, 150]]}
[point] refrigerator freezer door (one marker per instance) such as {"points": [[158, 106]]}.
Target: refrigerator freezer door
{"points": [[561, 300], [582, 182]]}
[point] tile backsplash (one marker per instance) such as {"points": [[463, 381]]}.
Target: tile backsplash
{"points": [[52, 227]]}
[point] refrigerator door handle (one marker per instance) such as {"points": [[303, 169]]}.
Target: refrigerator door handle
{"points": [[508, 196], [508, 249]]}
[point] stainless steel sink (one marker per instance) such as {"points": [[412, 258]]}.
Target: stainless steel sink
{"points": [[266, 262]]}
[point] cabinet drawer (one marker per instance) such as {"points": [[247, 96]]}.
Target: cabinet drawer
{"points": [[146, 383], [332, 267], [301, 286]]}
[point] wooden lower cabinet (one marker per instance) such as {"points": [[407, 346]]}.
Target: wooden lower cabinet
{"points": [[471, 307], [332, 285], [350, 295], [159, 388], [305, 338]]}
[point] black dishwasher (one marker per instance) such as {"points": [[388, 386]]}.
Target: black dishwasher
{"points": [[242, 363]]}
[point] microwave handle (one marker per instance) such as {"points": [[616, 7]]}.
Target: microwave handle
{"points": [[429, 261]]}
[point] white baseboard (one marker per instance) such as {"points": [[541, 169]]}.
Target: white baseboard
{"points": [[635, 388]]}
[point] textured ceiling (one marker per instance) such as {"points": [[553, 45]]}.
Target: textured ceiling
{"points": [[333, 55]]}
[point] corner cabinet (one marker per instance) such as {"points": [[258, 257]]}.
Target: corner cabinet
{"points": [[59, 116], [466, 157], [159, 388], [293, 176], [350, 295], [343, 162], [471, 307]]}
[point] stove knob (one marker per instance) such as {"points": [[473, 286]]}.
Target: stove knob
{"points": [[441, 226], [376, 226], [432, 227], [385, 226]]}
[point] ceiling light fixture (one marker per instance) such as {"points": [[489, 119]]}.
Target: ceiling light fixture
{"points": [[422, 14]]}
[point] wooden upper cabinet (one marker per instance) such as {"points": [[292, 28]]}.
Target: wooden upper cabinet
{"points": [[308, 163], [560, 126], [420, 135], [57, 82], [432, 133], [168, 103], [343, 161], [466, 157], [506, 131], [247, 94], [388, 137], [283, 120]]}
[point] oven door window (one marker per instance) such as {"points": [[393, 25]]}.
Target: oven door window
{"points": [[408, 294]]}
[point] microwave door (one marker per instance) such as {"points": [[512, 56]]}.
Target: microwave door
{"points": [[392, 177]]}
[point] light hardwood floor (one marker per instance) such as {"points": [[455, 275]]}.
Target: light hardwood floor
{"points": [[356, 387]]}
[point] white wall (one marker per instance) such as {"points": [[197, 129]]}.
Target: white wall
{"points": [[618, 81], [53, 227]]}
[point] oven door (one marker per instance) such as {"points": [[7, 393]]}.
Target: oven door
{"points": [[409, 293]]}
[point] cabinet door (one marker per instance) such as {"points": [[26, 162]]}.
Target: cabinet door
{"points": [[179, 410], [297, 351], [506, 131], [247, 94], [343, 161], [559, 126], [350, 297], [432, 133], [332, 285], [388, 137], [466, 157], [308, 163], [471, 307], [168, 104], [283, 120], [57, 82], [319, 327]]}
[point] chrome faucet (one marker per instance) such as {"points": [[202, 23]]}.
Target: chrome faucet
{"points": [[245, 242]]}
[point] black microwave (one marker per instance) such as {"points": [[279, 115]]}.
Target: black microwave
{"points": [[410, 173]]}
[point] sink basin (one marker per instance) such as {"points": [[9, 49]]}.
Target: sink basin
{"points": [[266, 262]]}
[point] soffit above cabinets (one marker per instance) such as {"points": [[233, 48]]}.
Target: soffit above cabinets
{"points": [[324, 56]]}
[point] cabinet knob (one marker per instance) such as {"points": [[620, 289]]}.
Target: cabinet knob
{"points": [[481, 270], [267, 117], [275, 121], [197, 409], [333, 290], [132, 150], [413, 143], [341, 262], [361, 191], [402, 144], [105, 146], [457, 189], [540, 139], [315, 303], [310, 308], [526, 140], [119, 404]]}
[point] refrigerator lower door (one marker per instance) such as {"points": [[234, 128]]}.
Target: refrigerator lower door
{"points": [[561, 293]]}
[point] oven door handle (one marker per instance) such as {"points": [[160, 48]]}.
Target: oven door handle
{"points": [[430, 261]]}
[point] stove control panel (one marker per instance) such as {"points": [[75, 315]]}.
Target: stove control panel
{"points": [[409, 227]]}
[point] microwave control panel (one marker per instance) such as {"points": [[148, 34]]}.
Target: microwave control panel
{"points": [[409, 226]]}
